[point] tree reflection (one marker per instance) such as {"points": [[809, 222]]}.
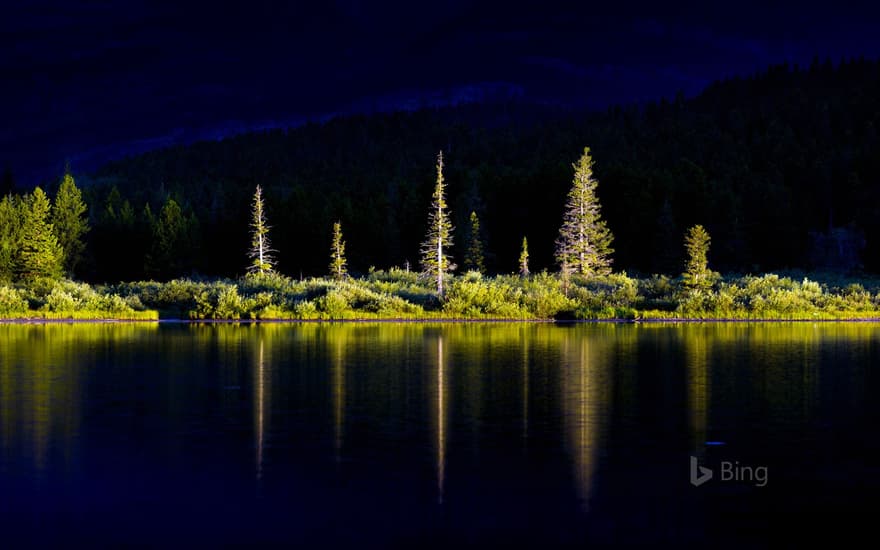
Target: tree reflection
{"points": [[262, 385], [338, 374], [697, 360], [440, 414], [585, 387]]}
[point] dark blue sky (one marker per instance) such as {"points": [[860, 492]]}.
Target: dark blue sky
{"points": [[89, 81]]}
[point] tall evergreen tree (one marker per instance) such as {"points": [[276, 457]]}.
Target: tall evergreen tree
{"points": [[260, 252], [524, 258], [70, 221], [435, 260], [169, 238], [126, 216], [697, 274], [10, 229], [338, 269], [38, 253], [112, 205], [584, 243], [473, 258]]}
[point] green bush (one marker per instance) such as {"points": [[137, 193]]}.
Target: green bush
{"points": [[12, 301], [59, 300], [473, 296], [543, 297], [333, 305]]}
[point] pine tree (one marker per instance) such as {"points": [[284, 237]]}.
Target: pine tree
{"points": [[112, 205], [473, 258], [584, 243], [435, 262], [697, 275], [338, 263], [10, 232], [126, 216], [169, 235], [70, 222], [38, 253], [565, 272], [149, 220], [260, 253], [524, 258]]}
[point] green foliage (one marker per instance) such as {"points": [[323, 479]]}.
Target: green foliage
{"points": [[260, 253], [524, 258], [544, 296], [697, 276], [219, 301], [172, 233], [338, 269], [658, 292], [38, 253], [594, 294], [472, 296], [396, 294], [436, 262], [10, 233], [584, 243], [46, 298], [70, 222], [12, 302], [473, 258], [773, 297]]}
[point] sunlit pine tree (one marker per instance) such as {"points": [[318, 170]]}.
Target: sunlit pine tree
{"points": [[10, 232], [38, 251], [584, 243], [435, 261], [338, 263], [524, 258], [697, 275], [260, 252], [70, 221]]}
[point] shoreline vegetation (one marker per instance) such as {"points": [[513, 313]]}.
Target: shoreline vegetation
{"points": [[403, 296], [41, 240]]}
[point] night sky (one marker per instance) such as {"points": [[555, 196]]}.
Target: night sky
{"points": [[84, 82]]}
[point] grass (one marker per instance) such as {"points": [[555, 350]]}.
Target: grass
{"points": [[400, 295]]}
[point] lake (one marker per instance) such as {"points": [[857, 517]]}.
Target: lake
{"points": [[403, 434]]}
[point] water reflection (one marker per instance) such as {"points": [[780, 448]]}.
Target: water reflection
{"points": [[697, 360], [338, 374], [525, 388], [440, 413], [418, 414], [585, 387], [42, 371], [261, 404]]}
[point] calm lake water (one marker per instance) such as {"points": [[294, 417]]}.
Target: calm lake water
{"points": [[449, 434]]}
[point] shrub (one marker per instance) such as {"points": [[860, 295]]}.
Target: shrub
{"points": [[12, 301], [60, 301], [333, 305], [543, 296]]}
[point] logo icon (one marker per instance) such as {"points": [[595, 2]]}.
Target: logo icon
{"points": [[699, 474]]}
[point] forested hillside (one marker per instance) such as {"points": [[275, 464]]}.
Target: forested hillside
{"points": [[781, 168]]}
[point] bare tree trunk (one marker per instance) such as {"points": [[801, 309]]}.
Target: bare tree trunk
{"points": [[439, 252]]}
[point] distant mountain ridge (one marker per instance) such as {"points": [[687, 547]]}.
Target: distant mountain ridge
{"points": [[767, 163]]}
